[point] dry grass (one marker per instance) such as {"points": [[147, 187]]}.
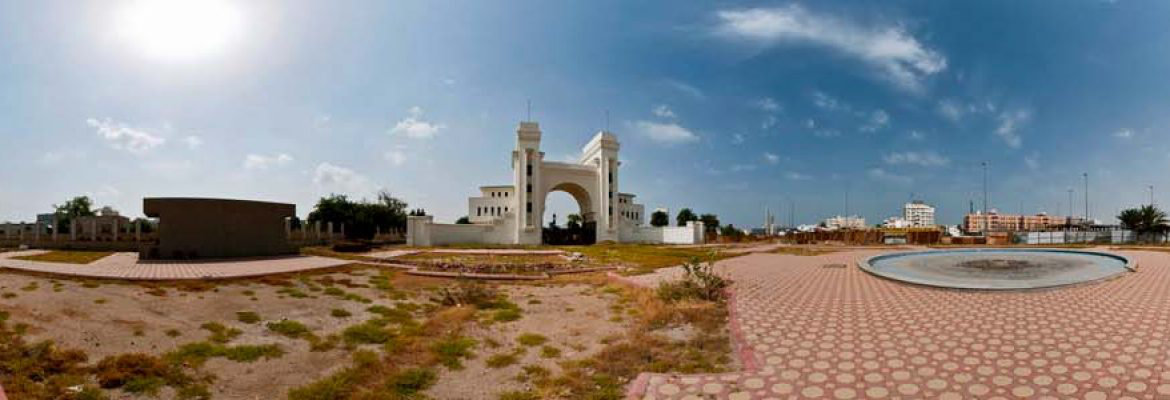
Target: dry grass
{"points": [[68, 257], [641, 258]]}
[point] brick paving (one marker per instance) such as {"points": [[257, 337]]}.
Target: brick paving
{"points": [[805, 330], [127, 266]]}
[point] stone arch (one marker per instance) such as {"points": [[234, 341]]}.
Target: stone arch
{"points": [[580, 193]]}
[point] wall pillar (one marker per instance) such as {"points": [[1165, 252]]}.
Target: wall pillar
{"points": [[55, 228], [287, 229], [115, 230], [93, 230], [138, 231], [73, 229], [342, 230], [37, 232], [329, 232]]}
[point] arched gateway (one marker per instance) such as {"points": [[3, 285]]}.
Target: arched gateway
{"points": [[512, 214]]}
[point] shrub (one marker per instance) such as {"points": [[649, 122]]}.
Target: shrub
{"points": [[452, 350], [248, 317], [531, 339], [289, 328], [412, 381], [507, 315], [501, 360], [139, 371], [339, 313], [366, 333], [468, 293], [220, 333], [699, 282], [550, 352]]}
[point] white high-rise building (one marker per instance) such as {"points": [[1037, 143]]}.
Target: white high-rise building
{"points": [[918, 214], [849, 222]]}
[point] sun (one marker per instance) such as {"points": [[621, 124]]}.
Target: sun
{"points": [[180, 30]]}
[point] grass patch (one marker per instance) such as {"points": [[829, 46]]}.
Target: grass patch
{"points": [[502, 360], [453, 349], [507, 315], [642, 258], [289, 328], [519, 395], [411, 382], [366, 333], [220, 333], [68, 257], [195, 354], [531, 339], [339, 313], [550, 352], [248, 317]]}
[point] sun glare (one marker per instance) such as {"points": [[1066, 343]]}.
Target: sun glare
{"points": [[180, 30]]}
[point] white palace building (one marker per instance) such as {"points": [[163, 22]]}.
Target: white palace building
{"points": [[512, 214]]}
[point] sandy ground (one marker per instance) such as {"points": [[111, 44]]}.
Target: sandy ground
{"points": [[573, 317], [71, 317], [117, 318]]}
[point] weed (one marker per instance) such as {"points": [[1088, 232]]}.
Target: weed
{"points": [[550, 352], [531, 339], [501, 360], [452, 349], [99, 301], [534, 301], [248, 317], [412, 381], [220, 333], [366, 333], [518, 395], [173, 333], [699, 282], [339, 313], [30, 287], [289, 328], [507, 315], [8, 295]]}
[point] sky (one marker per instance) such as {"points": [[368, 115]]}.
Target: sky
{"points": [[814, 108]]}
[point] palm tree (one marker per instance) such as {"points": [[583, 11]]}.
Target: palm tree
{"points": [[1144, 220]]}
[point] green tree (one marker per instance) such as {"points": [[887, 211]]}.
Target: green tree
{"points": [[464, 220], [685, 215], [80, 206], [730, 232], [710, 223], [361, 218], [659, 218], [574, 221], [1144, 220]]}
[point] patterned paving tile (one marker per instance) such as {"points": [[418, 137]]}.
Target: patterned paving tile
{"points": [[127, 266], [807, 331]]}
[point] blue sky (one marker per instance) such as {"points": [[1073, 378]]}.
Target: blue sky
{"points": [[724, 107]]}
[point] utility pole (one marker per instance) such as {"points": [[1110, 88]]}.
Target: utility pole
{"points": [[986, 210], [1087, 217]]}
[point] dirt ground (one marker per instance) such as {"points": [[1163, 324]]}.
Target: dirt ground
{"points": [[574, 318], [118, 318]]}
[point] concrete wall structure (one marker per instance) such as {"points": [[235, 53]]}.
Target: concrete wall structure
{"points": [[512, 214], [192, 228]]}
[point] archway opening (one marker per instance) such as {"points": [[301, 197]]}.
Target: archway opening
{"points": [[568, 217]]}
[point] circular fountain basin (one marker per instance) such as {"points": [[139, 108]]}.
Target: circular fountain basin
{"points": [[995, 269]]}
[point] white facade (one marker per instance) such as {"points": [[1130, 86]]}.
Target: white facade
{"points": [[850, 222], [896, 223], [512, 214], [918, 214]]}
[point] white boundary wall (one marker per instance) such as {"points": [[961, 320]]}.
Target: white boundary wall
{"points": [[423, 231]]}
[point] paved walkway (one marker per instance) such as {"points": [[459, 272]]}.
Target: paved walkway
{"points": [[804, 330], [127, 266]]}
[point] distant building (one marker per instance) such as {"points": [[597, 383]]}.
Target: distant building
{"points": [[918, 214], [847, 222], [895, 223], [996, 222]]}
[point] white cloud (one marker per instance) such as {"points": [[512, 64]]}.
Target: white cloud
{"points": [[925, 159], [897, 55], [262, 162], [1009, 124], [769, 122], [193, 142], [951, 110], [668, 133], [322, 120], [414, 127], [664, 111], [448, 81], [342, 179], [771, 158], [1032, 161], [827, 133], [877, 120], [916, 135], [882, 175], [810, 123], [743, 167], [827, 102], [123, 137], [768, 104], [737, 138], [685, 88], [396, 157], [1125, 133], [796, 176]]}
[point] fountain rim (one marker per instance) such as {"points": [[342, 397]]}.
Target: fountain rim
{"points": [[865, 265]]}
